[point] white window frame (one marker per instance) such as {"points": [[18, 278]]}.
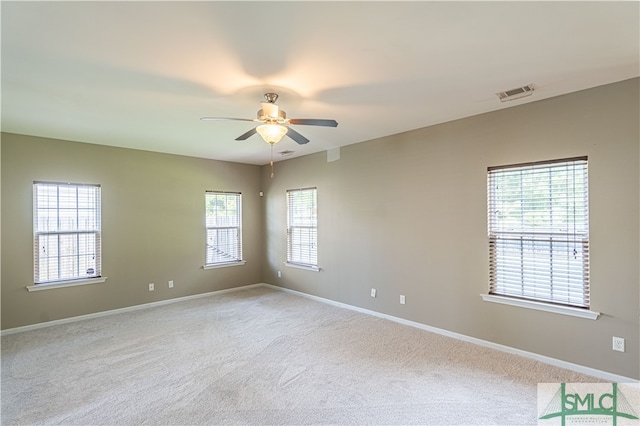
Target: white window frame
{"points": [[538, 230], [66, 217], [223, 232], [302, 228]]}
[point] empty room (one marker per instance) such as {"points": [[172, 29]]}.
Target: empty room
{"points": [[443, 226]]}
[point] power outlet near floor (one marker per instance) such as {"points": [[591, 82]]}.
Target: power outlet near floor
{"points": [[373, 292], [618, 344], [403, 299], [170, 283], [152, 286]]}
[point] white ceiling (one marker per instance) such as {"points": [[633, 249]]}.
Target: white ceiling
{"points": [[141, 74]]}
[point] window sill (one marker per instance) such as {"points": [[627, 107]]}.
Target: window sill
{"points": [[61, 284], [224, 265], [301, 266], [541, 306]]}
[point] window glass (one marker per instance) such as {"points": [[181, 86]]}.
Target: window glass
{"points": [[223, 227], [66, 231], [302, 227], [539, 231]]}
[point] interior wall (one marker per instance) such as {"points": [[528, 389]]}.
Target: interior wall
{"points": [[407, 214], [152, 225], [404, 214]]}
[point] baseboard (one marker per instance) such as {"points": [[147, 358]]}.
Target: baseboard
{"points": [[121, 310], [604, 375]]}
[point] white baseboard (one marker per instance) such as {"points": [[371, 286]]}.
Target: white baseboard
{"points": [[604, 375], [121, 310]]}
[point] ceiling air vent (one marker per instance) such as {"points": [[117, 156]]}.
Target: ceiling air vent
{"points": [[518, 93]]}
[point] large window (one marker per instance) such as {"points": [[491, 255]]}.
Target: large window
{"points": [[66, 223], [224, 228], [539, 231], [302, 227]]}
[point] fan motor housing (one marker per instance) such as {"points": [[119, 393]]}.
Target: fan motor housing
{"points": [[282, 116]]}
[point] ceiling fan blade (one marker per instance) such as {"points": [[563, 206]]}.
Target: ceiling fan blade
{"points": [[301, 140], [247, 135], [314, 122], [225, 118]]}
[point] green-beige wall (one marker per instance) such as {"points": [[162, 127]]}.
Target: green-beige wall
{"points": [[405, 214], [152, 225]]}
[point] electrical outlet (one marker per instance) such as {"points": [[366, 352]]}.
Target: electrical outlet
{"points": [[373, 292], [618, 344], [170, 283], [151, 287], [279, 274], [402, 299]]}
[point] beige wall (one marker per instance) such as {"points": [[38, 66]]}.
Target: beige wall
{"points": [[407, 214], [152, 225]]}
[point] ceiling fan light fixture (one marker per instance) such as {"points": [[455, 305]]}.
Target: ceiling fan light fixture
{"points": [[271, 133]]}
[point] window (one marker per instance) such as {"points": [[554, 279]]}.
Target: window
{"points": [[539, 231], [66, 223], [302, 227], [224, 228]]}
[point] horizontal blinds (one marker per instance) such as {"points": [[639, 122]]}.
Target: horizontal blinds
{"points": [[302, 223], [223, 227], [539, 231], [67, 226]]}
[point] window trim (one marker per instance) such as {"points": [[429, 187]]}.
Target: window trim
{"points": [[579, 237], [224, 265], [234, 262], [69, 283], [314, 268], [541, 306]]}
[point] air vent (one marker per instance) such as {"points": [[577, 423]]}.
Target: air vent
{"points": [[520, 92], [285, 153]]}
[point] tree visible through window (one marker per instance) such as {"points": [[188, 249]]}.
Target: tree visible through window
{"points": [[224, 225], [302, 227], [66, 223], [539, 231]]}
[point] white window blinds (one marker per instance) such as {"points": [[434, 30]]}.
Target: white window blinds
{"points": [[302, 227], [223, 227], [539, 231], [66, 224]]}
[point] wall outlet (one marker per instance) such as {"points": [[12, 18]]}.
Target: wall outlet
{"points": [[152, 287], [279, 274], [373, 292], [170, 283], [618, 344], [402, 299]]}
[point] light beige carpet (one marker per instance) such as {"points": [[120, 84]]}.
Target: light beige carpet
{"points": [[261, 356]]}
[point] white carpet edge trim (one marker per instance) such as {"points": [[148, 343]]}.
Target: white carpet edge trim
{"points": [[604, 375], [122, 310]]}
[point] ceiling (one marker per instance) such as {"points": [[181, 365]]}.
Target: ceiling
{"points": [[141, 74]]}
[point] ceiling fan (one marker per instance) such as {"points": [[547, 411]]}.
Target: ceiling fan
{"points": [[275, 124]]}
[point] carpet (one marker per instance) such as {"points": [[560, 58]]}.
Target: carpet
{"points": [[261, 356]]}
